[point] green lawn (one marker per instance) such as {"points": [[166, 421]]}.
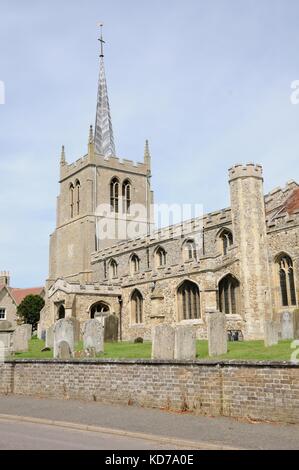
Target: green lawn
{"points": [[254, 350]]}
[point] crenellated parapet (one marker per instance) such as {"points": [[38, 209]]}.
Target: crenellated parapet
{"points": [[113, 163], [283, 221], [246, 171], [189, 228]]}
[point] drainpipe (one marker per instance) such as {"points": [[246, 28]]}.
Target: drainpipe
{"points": [[120, 301]]}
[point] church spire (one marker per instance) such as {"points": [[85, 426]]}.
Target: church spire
{"points": [[103, 139]]}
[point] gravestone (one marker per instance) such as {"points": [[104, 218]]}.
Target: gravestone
{"points": [[50, 337], [28, 329], [110, 323], [163, 342], [287, 325], [185, 343], [64, 332], [270, 333], [64, 351], [20, 339], [217, 335], [6, 340], [93, 336]]}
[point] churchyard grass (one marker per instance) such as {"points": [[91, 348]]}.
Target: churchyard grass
{"points": [[247, 350]]}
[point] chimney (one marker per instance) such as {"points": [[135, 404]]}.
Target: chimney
{"points": [[4, 278]]}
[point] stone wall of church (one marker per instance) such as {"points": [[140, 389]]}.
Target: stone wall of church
{"points": [[283, 239]]}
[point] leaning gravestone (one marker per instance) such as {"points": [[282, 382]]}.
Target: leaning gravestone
{"points": [[93, 336], [64, 351], [270, 333], [64, 332], [287, 325], [217, 335], [21, 339], [185, 343], [163, 342], [50, 337]]}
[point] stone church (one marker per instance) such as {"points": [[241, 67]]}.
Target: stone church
{"points": [[107, 257]]}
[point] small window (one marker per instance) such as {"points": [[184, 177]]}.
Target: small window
{"points": [[114, 195], [113, 269], [227, 240], [72, 201], [137, 307], [135, 264], [126, 195], [189, 249], [2, 314], [78, 196], [160, 257]]}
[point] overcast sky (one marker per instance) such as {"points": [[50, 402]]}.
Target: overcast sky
{"points": [[208, 82]]}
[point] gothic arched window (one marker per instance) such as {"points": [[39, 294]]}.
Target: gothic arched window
{"points": [[114, 195], [287, 281], [227, 240], [112, 269], [126, 195], [188, 301], [135, 264], [72, 200], [228, 294], [189, 250], [160, 257], [137, 307], [78, 196]]}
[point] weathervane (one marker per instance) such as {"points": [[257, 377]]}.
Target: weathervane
{"points": [[101, 39]]}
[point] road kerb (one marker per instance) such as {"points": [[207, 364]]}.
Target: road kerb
{"points": [[182, 443]]}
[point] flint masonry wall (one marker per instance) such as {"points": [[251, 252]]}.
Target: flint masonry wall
{"points": [[262, 391]]}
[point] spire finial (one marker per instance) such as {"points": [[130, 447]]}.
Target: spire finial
{"points": [[101, 39], [91, 137], [62, 158], [147, 154]]}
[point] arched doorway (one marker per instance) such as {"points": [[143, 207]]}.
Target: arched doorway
{"points": [[98, 309], [61, 312]]}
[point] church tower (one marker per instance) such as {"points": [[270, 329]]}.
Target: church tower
{"points": [[103, 200]]}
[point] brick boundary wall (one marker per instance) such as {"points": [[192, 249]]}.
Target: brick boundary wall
{"points": [[266, 391]]}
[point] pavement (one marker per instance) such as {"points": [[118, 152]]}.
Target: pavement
{"points": [[131, 426]]}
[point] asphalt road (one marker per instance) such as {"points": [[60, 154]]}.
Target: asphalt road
{"points": [[16, 435], [204, 430]]}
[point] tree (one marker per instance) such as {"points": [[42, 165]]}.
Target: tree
{"points": [[30, 308]]}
